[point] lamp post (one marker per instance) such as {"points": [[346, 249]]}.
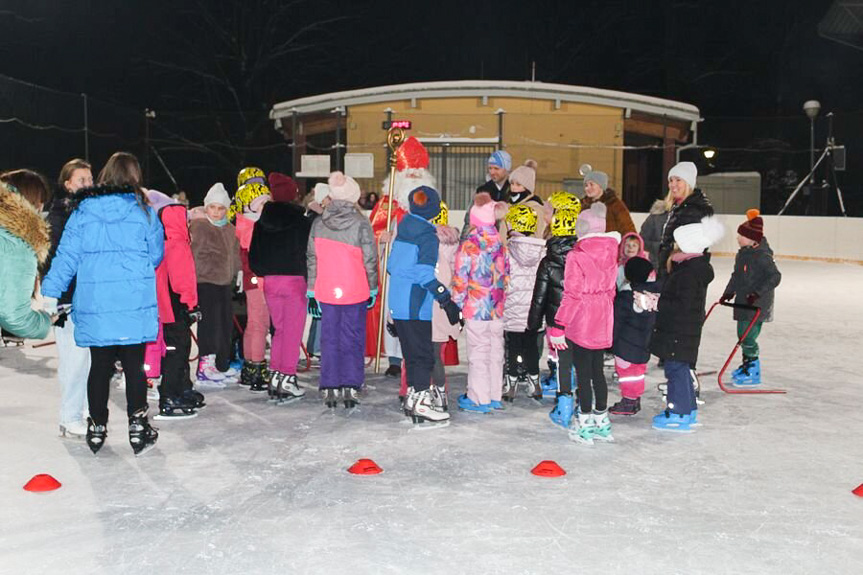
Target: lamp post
{"points": [[812, 107]]}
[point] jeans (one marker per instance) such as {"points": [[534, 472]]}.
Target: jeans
{"points": [[72, 371]]}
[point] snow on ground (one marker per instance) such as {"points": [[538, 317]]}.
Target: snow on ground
{"points": [[763, 487]]}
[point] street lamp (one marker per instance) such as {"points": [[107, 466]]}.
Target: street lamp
{"points": [[812, 107]]}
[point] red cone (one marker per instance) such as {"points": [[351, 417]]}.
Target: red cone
{"points": [[859, 491], [548, 468], [365, 467], [42, 482]]}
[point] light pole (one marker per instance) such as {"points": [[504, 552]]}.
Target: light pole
{"points": [[812, 107]]}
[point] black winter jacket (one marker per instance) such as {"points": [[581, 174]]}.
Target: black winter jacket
{"points": [[548, 289], [632, 330], [58, 215], [677, 332], [280, 240], [754, 271], [689, 211]]}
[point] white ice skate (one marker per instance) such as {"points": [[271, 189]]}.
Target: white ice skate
{"points": [[424, 413]]}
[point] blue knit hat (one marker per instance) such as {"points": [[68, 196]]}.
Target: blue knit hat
{"points": [[424, 202], [501, 159]]}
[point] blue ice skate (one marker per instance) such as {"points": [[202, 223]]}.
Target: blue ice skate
{"points": [[679, 423], [496, 405], [748, 374], [466, 404], [562, 412]]}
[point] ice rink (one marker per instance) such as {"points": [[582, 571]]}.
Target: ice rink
{"points": [[764, 486]]}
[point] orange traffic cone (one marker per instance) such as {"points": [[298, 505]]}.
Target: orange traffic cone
{"points": [[42, 482], [365, 467], [859, 491], [548, 468]]}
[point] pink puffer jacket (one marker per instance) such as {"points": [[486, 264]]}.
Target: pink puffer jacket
{"points": [[587, 309], [441, 328], [524, 253]]}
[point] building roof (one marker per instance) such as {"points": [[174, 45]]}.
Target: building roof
{"points": [[489, 88]]}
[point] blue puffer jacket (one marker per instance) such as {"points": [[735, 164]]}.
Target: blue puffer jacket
{"points": [[113, 246], [413, 285]]}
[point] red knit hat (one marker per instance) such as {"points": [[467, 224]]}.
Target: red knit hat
{"points": [[282, 187], [752, 229]]}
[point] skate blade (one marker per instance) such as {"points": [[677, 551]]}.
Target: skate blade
{"points": [[598, 439], [674, 429], [288, 400], [428, 425], [160, 417], [145, 449]]}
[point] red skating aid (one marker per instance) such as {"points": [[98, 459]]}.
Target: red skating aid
{"points": [[365, 467], [548, 468], [858, 491], [42, 482]]}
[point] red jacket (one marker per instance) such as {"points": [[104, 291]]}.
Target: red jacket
{"points": [[587, 309], [177, 270]]}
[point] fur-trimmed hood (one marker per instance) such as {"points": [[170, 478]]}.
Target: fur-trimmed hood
{"points": [[20, 218], [658, 207], [98, 191]]}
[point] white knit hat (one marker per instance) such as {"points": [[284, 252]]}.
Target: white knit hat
{"points": [[686, 171], [322, 191], [218, 195], [695, 238], [344, 187]]}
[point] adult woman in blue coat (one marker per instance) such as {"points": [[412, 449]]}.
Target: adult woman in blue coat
{"points": [[112, 242]]}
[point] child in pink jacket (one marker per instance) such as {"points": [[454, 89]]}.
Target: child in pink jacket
{"points": [[587, 316], [479, 284]]}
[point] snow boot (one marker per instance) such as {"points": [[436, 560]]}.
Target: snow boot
{"points": [[466, 404], [247, 374], [259, 381], [583, 429], [142, 436], [603, 426], [96, 434], [626, 406], [561, 415]]}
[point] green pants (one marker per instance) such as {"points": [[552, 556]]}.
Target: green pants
{"points": [[750, 344]]}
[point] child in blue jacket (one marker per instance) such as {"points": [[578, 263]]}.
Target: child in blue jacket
{"points": [[413, 287]]}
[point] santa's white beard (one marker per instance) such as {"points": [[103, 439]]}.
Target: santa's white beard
{"points": [[407, 181]]}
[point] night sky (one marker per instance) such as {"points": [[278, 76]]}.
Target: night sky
{"points": [[212, 70]]}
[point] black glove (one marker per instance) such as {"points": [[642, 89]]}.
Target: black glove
{"points": [[726, 297], [453, 312], [752, 298], [194, 314], [391, 329], [314, 308], [61, 319]]}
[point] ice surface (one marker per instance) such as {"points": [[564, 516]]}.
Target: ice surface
{"points": [[763, 487]]}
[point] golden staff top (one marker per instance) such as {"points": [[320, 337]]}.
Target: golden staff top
{"points": [[395, 137]]}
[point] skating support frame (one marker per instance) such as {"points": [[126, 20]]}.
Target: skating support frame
{"points": [[755, 317]]}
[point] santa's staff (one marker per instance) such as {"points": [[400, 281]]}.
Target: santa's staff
{"points": [[395, 137]]}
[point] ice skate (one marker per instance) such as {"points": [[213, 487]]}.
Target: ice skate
{"points": [[466, 404], [439, 398], [351, 397], [510, 387], [676, 422], [561, 415], [534, 389], [288, 390], [175, 408], [207, 375], [549, 381], [331, 396], [96, 435], [273, 386], [696, 385], [583, 429], [194, 397], [626, 406], [602, 424], [424, 413], [142, 436], [259, 381], [247, 374], [748, 374], [74, 429]]}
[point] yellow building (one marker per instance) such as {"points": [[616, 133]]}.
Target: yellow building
{"points": [[631, 137]]}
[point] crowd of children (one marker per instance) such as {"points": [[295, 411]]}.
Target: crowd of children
{"points": [[138, 270]]}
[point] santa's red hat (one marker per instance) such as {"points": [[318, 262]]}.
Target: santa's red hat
{"points": [[412, 155]]}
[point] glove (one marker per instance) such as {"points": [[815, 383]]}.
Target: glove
{"points": [[453, 313], [373, 296], [752, 298], [194, 314], [391, 329], [726, 297], [49, 305], [314, 306], [556, 338]]}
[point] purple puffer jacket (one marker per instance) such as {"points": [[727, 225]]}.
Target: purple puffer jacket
{"points": [[525, 253], [587, 309]]}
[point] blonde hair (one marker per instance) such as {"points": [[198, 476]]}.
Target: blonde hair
{"points": [[669, 197]]}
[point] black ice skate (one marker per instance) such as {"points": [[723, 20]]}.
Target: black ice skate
{"points": [[96, 435], [142, 436], [194, 397], [175, 408]]}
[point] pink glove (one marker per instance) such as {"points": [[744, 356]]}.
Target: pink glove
{"points": [[556, 338]]}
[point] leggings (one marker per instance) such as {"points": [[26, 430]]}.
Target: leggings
{"points": [[99, 381], [591, 379]]}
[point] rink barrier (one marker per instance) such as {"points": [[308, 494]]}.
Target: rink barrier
{"points": [[805, 238]]}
